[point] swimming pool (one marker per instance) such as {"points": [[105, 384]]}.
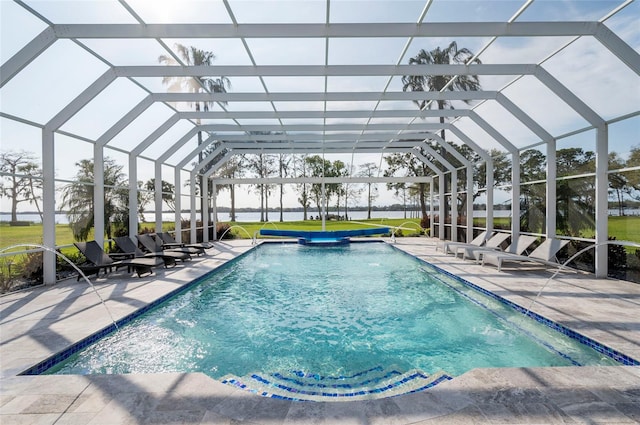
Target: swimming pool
{"points": [[329, 312]]}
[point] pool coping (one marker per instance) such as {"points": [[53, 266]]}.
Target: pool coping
{"points": [[555, 395]]}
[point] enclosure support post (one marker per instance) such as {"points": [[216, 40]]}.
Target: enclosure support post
{"points": [[157, 189], [133, 196], [322, 208], [215, 213], [192, 201], [469, 203], [205, 208], [515, 195], [602, 186], [431, 214], [552, 172], [49, 207], [441, 208], [98, 194], [178, 204], [489, 210], [454, 205]]}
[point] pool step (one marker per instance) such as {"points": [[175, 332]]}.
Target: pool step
{"points": [[369, 384]]}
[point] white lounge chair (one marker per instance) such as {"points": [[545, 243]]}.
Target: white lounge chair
{"points": [[544, 254], [448, 247], [522, 244], [492, 244]]}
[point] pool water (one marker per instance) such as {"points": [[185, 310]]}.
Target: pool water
{"points": [[331, 311]]}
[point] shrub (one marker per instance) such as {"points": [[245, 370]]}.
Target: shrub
{"points": [[32, 269], [425, 222]]}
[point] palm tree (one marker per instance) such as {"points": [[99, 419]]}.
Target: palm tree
{"points": [[449, 55], [193, 56]]}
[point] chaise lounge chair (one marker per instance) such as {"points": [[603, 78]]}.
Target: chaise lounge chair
{"points": [[449, 247], [492, 244], [155, 247], [167, 242], [544, 254], [99, 260], [131, 250]]}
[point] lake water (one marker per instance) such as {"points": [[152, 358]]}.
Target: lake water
{"points": [[255, 216], [224, 216]]}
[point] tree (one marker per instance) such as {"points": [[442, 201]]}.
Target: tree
{"points": [[168, 190], [338, 169], [301, 169], [408, 165], [284, 164], [318, 167], [24, 177], [369, 170], [233, 168], [618, 182], [77, 198], [193, 56], [263, 166], [575, 196], [532, 196], [400, 192]]}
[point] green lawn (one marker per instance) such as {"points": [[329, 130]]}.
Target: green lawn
{"points": [[623, 228]]}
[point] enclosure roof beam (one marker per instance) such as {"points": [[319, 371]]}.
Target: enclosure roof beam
{"points": [[127, 119], [618, 47], [342, 30], [194, 152], [26, 55], [497, 136], [525, 119], [177, 145], [453, 151], [569, 97], [81, 100], [163, 128]]}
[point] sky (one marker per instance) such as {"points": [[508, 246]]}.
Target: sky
{"points": [[61, 72]]}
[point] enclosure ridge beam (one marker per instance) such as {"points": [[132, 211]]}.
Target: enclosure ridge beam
{"points": [[322, 96], [322, 127], [343, 30], [384, 135], [322, 70], [407, 113], [317, 180]]}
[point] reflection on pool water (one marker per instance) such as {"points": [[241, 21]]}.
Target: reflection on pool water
{"points": [[330, 311]]}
